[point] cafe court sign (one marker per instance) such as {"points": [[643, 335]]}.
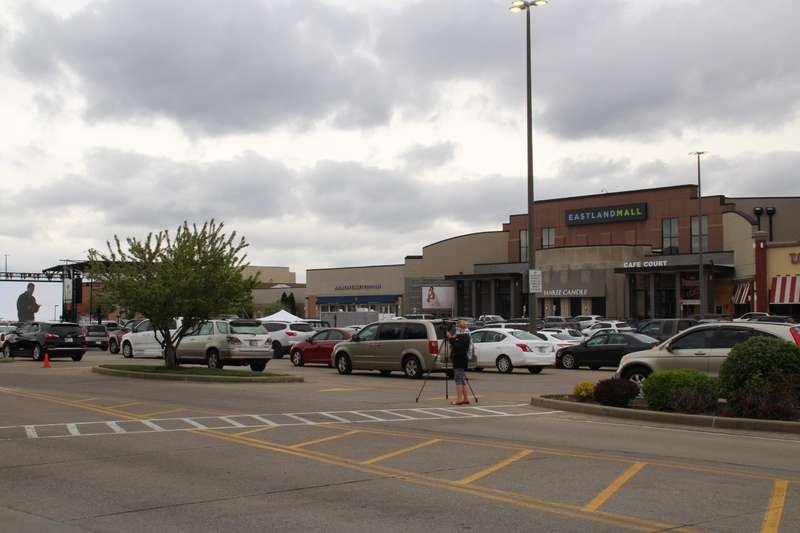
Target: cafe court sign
{"points": [[601, 215]]}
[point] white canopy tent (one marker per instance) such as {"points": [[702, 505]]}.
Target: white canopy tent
{"points": [[286, 316]]}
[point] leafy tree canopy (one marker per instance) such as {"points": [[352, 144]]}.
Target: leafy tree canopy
{"points": [[195, 275]]}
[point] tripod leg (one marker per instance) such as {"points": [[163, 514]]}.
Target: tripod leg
{"points": [[426, 377], [470, 387]]}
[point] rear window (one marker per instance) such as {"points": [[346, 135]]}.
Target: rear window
{"points": [[413, 330], [64, 330], [96, 329], [247, 326], [301, 327], [273, 326]]}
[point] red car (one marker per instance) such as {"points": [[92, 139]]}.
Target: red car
{"points": [[318, 347]]}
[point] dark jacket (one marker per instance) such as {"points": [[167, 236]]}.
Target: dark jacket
{"points": [[26, 307], [460, 350]]}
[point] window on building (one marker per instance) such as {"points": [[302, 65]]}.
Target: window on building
{"points": [[669, 236], [523, 246], [703, 233], [548, 237]]}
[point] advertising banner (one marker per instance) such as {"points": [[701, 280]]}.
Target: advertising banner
{"points": [[438, 297]]}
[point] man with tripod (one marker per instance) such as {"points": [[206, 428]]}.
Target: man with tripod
{"points": [[461, 343]]}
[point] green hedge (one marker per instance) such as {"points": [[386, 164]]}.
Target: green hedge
{"points": [[683, 390], [764, 359]]}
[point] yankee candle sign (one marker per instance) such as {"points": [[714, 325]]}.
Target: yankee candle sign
{"points": [[599, 215]]}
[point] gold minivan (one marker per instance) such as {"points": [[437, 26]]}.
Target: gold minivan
{"points": [[411, 346]]}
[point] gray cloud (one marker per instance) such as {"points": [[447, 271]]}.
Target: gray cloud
{"points": [[418, 158]]}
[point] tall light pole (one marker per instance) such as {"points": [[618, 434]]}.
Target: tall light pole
{"points": [[700, 237], [525, 5]]}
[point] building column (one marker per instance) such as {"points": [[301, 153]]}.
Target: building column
{"points": [[652, 290], [760, 286], [679, 311]]}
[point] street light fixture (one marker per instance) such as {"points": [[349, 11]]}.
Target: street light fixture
{"points": [[525, 5], [700, 237]]}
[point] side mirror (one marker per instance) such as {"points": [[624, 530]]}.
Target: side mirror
{"points": [[668, 347]]}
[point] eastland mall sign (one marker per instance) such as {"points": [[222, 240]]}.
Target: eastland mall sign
{"points": [[600, 215]]}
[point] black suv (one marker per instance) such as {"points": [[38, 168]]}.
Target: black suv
{"points": [[56, 339]]}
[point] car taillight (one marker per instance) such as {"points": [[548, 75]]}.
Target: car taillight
{"points": [[233, 340], [524, 347], [82, 336], [50, 336], [795, 334], [291, 334], [433, 347], [653, 347]]}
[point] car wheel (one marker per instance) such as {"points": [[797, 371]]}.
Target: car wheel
{"points": [[213, 360], [297, 358], [412, 368], [38, 353], [278, 349], [638, 375], [77, 357], [535, 369], [113, 346], [258, 366], [127, 350], [568, 361], [385, 372], [7, 351], [343, 364], [504, 364]]}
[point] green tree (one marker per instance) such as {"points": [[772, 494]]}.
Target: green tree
{"points": [[290, 305], [196, 275]]}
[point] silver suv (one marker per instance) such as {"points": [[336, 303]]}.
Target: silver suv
{"points": [[704, 347], [410, 346], [286, 334], [236, 342]]}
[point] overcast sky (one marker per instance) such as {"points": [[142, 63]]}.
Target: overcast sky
{"points": [[352, 132]]}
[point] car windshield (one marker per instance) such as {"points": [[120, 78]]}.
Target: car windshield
{"points": [[251, 326], [523, 335], [96, 329]]}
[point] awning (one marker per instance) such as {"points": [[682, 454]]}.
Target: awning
{"points": [[742, 294], [336, 300], [785, 290], [377, 299]]}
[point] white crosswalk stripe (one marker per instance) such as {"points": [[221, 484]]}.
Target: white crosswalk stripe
{"points": [[161, 425]]}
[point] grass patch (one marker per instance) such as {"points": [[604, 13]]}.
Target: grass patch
{"points": [[190, 371]]}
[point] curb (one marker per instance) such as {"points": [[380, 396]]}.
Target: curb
{"points": [[715, 422], [206, 379], [6, 359]]}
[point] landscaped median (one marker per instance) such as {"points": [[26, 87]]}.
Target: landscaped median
{"points": [[208, 375], [572, 404]]}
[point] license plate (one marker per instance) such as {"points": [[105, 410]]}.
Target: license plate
{"points": [[68, 339], [253, 343]]}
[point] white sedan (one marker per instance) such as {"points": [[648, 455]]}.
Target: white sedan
{"points": [[606, 327], [506, 349], [559, 340]]}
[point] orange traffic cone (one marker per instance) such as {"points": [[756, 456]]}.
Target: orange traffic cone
{"points": [[46, 361]]}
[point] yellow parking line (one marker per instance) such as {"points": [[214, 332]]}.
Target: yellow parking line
{"points": [[300, 445], [123, 405], [163, 412], [498, 466], [773, 517], [254, 430], [400, 452], [611, 489]]}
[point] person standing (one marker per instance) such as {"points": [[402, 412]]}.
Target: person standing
{"points": [[26, 305], [460, 346]]}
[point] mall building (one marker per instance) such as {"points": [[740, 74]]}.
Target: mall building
{"points": [[627, 255]]}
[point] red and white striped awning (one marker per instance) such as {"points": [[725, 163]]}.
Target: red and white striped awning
{"points": [[785, 290], [742, 293]]}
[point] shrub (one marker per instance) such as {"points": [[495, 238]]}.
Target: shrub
{"points": [[584, 391], [764, 358], [765, 399], [684, 390], [615, 392]]}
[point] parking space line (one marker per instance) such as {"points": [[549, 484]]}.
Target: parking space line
{"points": [[495, 468], [339, 418], [152, 425], [611, 489], [73, 430], [333, 437], [232, 422], [31, 432], [400, 452], [301, 419], [115, 427], [254, 430], [772, 519], [150, 415], [194, 423], [426, 412]]}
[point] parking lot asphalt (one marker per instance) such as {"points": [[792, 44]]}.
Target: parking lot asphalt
{"points": [[99, 453]]}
